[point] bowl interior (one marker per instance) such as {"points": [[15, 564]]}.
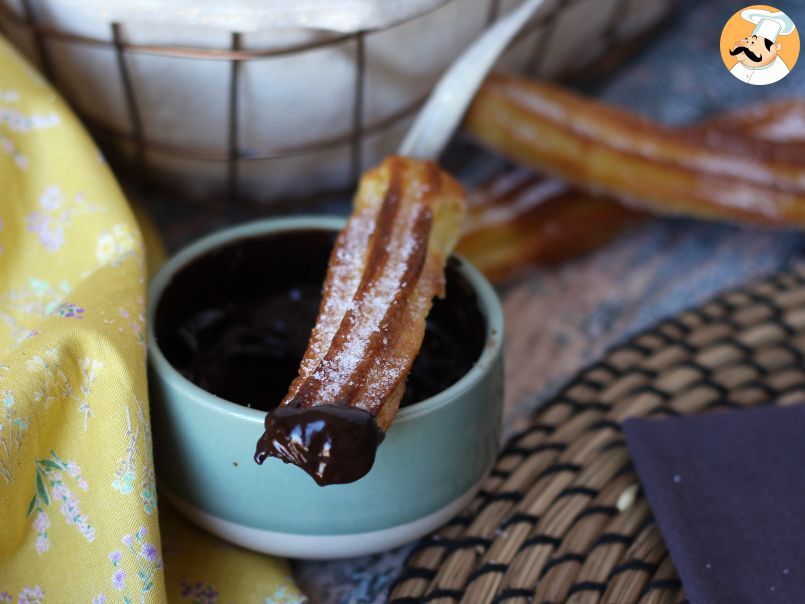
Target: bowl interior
{"points": [[235, 319]]}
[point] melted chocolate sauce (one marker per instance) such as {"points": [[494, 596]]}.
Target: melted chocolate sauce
{"points": [[335, 444], [237, 320]]}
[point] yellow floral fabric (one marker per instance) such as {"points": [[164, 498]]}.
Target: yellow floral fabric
{"points": [[77, 485]]}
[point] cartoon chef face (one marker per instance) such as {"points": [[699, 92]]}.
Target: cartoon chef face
{"points": [[755, 51]]}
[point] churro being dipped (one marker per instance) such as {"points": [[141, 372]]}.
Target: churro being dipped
{"points": [[386, 268]]}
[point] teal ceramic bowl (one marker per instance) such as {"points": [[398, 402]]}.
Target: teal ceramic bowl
{"points": [[432, 462]]}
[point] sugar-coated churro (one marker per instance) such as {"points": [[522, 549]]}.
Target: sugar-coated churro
{"points": [[386, 267], [712, 173], [520, 219]]}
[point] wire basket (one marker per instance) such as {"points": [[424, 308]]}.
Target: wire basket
{"points": [[283, 114]]}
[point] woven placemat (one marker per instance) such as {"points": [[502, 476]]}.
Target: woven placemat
{"points": [[562, 517]]}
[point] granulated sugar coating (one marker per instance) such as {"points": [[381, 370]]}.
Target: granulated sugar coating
{"points": [[387, 266], [385, 270]]}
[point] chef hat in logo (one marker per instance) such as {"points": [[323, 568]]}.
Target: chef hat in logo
{"points": [[769, 25]]}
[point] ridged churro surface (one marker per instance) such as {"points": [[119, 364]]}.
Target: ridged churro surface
{"points": [[727, 173], [385, 269]]}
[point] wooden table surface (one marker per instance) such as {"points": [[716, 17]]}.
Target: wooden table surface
{"points": [[562, 318]]}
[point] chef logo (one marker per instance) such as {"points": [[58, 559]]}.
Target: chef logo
{"points": [[760, 45]]}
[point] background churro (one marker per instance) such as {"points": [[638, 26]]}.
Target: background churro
{"points": [[717, 174]]}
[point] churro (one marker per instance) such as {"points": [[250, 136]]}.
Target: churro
{"points": [[712, 173], [386, 267]]}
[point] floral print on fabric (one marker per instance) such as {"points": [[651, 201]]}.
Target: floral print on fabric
{"points": [[197, 592], [116, 244], [139, 445], [54, 383], [68, 310], [31, 595], [12, 427], [89, 373], [21, 308], [55, 213], [52, 486], [67, 378], [17, 122], [77, 483], [143, 560]]}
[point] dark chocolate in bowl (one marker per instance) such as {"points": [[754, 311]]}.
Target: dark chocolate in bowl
{"points": [[236, 320]]}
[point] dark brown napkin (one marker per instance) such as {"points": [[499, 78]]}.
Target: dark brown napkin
{"points": [[728, 493]]}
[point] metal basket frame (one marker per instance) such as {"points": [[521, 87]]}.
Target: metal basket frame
{"points": [[41, 34]]}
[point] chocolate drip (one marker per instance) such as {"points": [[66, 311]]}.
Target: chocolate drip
{"points": [[335, 444]]}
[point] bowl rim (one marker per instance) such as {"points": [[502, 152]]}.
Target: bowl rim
{"points": [[488, 303]]}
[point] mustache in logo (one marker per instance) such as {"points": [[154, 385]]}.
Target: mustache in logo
{"points": [[743, 49]]}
